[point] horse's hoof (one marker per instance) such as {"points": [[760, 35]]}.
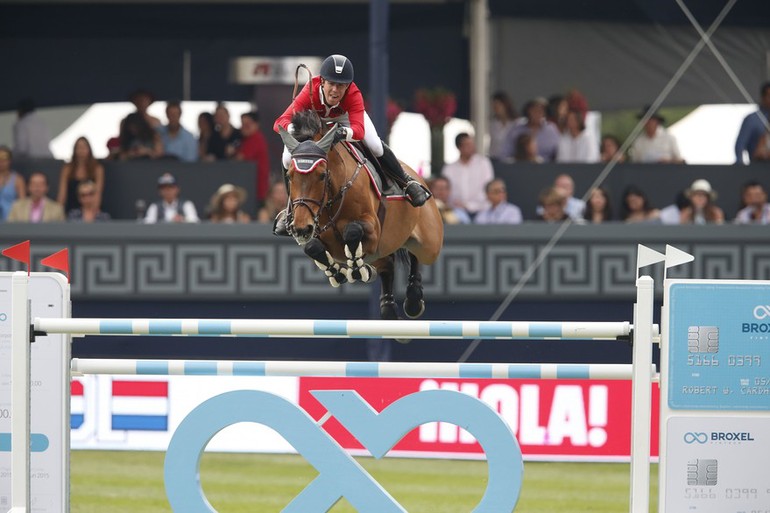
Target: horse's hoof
{"points": [[368, 273], [349, 274], [388, 311], [414, 309], [333, 282]]}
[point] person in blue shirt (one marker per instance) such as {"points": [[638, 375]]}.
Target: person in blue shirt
{"points": [[177, 141], [754, 126]]}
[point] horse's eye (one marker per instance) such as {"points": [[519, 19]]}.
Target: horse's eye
{"points": [[322, 175]]}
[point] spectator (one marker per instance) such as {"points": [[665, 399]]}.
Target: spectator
{"points": [[552, 203], [139, 140], [762, 151], [500, 210], [526, 150], [753, 127], [545, 133], [205, 129], [609, 148], [655, 143], [636, 206], [503, 120], [81, 167], [254, 148], [575, 144], [702, 209], [441, 189], [31, 138], [177, 141], [556, 112], [37, 207], [756, 209], [598, 208], [469, 175], [224, 141], [88, 210], [11, 183], [170, 208], [577, 101], [226, 203], [574, 206], [142, 99], [276, 200], [673, 214]]}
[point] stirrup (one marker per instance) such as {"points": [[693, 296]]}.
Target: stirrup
{"points": [[416, 194], [280, 227]]}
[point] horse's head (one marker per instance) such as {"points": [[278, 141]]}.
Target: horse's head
{"points": [[308, 173]]}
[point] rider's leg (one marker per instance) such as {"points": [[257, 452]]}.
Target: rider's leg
{"points": [[415, 192], [280, 227]]}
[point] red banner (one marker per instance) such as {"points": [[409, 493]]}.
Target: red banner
{"points": [[552, 419]]}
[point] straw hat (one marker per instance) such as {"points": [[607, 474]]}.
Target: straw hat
{"points": [[225, 189], [701, 185]]}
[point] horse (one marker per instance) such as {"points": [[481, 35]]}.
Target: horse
{"points": [[350, 231]]}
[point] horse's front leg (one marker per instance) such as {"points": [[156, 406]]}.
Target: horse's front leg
{"points": [[316, 250], [357, 270]]}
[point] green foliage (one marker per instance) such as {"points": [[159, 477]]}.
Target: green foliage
{"points": [[123, 482]]}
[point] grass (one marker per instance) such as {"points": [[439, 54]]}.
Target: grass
{"points": [[121, 482]]}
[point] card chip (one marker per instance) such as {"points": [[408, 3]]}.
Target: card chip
{"points": [[702, 472], [703, 339]]}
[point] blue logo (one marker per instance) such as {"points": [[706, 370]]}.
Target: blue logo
{"points": [[3, 317], [339, 475], [691, 438]]}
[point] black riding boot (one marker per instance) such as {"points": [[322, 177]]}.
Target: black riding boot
{"points": [[414, 190], [280, 225]]}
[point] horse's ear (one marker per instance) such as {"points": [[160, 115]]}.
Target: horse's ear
{"points": [[325, 143], [287, 139]]}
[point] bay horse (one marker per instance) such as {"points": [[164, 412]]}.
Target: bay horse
{"points": [[351, 231]]}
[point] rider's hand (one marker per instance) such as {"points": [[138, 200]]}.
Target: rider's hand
{"points": [[341, 134]]}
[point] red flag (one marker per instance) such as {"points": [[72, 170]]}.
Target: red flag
{"points": [[19, 252], [59, 260]]}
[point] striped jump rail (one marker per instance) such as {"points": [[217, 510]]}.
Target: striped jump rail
{"points": [[298, 328], [352, 369]]}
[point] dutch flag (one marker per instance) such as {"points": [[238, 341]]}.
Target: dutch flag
{"points": [[140, 405], [77, 404]]}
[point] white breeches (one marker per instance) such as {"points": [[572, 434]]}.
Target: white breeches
{"points": [[371, 139]]}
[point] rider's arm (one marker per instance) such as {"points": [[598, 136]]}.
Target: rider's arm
{"points": [[353, 104]]}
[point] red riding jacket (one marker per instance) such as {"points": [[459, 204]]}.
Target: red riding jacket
{"points": [[352, 103]]}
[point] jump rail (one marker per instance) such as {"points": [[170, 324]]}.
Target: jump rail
{"points": [[269, 328], [353, 369]]}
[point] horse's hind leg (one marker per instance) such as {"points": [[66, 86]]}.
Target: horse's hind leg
{"points": [[386, 268], [353, 235], [316, 250], [414, 306]]}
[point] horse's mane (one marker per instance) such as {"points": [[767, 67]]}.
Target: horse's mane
{"points": [[306, 125]]}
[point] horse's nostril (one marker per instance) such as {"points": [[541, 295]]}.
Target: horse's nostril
{"points": [[303, 231]]}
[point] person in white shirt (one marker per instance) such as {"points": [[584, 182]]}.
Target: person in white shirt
{"points": [[655, 144], [170, 208], [469, 176], [500, 210], [757, 209], [31, 138], [575, 144]]}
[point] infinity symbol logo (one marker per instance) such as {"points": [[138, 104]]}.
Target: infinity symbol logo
{"points": [[691, 438], [761, 311], [339, 474]]}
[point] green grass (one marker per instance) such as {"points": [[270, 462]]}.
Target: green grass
{"points": [[121, 482]]}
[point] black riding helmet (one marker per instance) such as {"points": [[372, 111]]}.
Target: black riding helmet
{"points": [[337, 68]]}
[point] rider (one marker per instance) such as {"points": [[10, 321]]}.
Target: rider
{"points": [[335, 96]]}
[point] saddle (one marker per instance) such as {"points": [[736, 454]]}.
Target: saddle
{"points": [[383, 186]]}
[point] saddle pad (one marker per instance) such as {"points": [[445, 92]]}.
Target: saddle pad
{"points": [[390, 191]]}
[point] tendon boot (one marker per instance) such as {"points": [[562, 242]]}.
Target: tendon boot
{"points": [[281, 223], [414, 191]]}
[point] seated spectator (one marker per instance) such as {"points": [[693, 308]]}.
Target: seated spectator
{"points": [[702, 209], [205, 129], [11, 183], [753, 127], [225, 205], [556, 112], [598, 207], [88, 210], [36, 207], [574, 206], [31, 138], [254, 148], [674, 213], [81, 167], [756, 209], [225, 140], [139, 140], [500, 210], [609, 148], [468, 176], [503, 120], [441, 189], [276, 200], [575, 144], [545, 133], [636, 206], [142, 99], [170, 208], [177, 141], [526, 150], [655, 143], [552, 202]]}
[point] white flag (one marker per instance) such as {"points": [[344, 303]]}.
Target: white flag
{"points": [[646, 256], [675, 257]]}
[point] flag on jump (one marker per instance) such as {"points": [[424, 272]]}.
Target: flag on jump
{"points": [[19, 252]]}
